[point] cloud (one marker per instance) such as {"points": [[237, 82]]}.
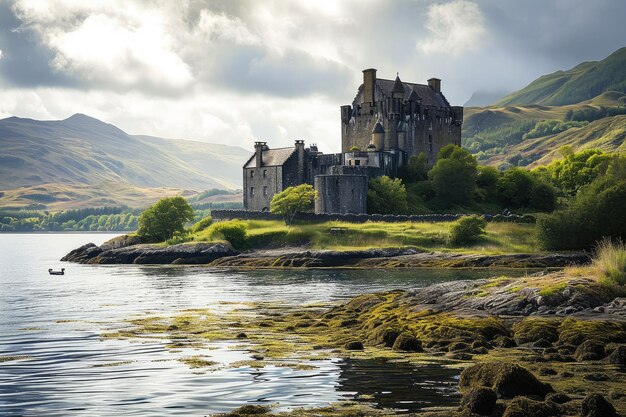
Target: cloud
{"points": [[455, 27], [232, 71], [0, 53]]}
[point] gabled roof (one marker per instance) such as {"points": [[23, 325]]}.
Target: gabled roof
{"points": [[272, 157], [428, 96]]}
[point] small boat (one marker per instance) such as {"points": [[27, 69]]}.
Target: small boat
{"points": [[61, 272]]}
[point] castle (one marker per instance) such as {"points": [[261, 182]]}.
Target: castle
{"points": [[387, 122]]}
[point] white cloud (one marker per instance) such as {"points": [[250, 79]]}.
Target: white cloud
{"points": [[218, 27], [0, 53], [454, 27]]}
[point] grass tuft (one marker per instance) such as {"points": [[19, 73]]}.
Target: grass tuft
{"points": [[609, 262]]}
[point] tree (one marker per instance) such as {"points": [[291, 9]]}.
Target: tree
{"points": [[415, 170], [168, 215], [454, 174], [293, 200], [386, 196]]}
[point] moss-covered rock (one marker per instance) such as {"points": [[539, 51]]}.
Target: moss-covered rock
{"points": [[532, 330], [596, 405], [590, 350], [525, 407], [480, 401], [618, 356], [506, 379], [574, 331], [406, 342], [354, 345], [248, 410]]}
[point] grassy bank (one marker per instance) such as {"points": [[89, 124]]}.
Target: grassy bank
{"points": [[500, 237]]}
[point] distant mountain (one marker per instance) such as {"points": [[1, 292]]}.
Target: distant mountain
{"points": [[484, 98], [580, 83], [84, 159]]}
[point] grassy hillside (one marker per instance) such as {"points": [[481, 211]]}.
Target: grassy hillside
{"points": [[607, 134], [496, 133], [580, 83], [81, 161]]}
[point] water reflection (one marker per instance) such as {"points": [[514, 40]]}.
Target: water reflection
{"points": [[399, 385]]}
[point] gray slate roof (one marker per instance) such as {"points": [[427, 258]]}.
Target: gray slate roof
{"points": [[272, 157], [428, 96]]}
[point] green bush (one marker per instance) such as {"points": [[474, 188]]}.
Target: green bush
{"points": [[234, 231], [454, 175], [386, 196], [595, 213], [467, 229], [177, 238], [202, 224]]}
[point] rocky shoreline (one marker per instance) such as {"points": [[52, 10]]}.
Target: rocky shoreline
{"points": [[549, 345], [128, 250]]}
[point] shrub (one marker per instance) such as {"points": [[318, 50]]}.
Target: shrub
{"points": [[293, 200], [168, 215], [202, 224], [386, 196], [177, 237], [594, 214], [467, 229], [234, 231], [609, 261]]}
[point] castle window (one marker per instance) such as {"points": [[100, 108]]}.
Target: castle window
{"points": [[430, 125], [430, 143], [264, 191], [371, 112], [265, 173], [251, 174], [357, 162], [251, 191]]}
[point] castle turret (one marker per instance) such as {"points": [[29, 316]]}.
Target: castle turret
{"points": [[398, 88], [378, 136]]}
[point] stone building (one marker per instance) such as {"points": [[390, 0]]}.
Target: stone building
{"points": [[388, 122], [413, 118]]}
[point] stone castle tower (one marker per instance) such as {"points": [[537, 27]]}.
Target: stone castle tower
{"points": [[407, 117]]}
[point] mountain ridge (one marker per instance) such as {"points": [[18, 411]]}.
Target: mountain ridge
{"points": [[84, 151]]}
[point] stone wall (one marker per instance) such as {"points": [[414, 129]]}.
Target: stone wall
{"points": [[352, 218]]}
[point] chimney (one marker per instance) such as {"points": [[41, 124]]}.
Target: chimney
{"points": [[369, 83], [258, 152], [300, 150], [435, 84]]}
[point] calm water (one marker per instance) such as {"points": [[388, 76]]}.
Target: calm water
{"points": [[56, 323]]}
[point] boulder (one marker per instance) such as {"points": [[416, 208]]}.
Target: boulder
{"points": [[354, 345], [480, 401], [407, 343], [525, 407], [508, 380], [122, 241], [618, 356], [590, 350], [596, 405], [82, 254], [558, 397]]}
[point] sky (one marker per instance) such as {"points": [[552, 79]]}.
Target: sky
{"points": [[236, 71]]}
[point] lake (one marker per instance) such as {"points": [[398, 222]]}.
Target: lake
{"points": [[55, 323]]}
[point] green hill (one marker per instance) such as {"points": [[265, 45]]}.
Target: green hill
{"points": [[607, 134], [583, 82], [82, 161]]}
